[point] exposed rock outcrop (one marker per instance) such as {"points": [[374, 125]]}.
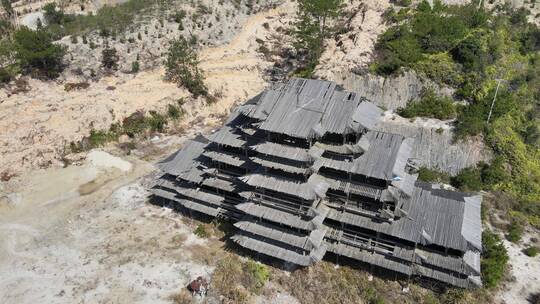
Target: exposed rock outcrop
{"points": [[434, 146], [390, 92]]}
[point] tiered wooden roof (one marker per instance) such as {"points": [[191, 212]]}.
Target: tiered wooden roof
{"points": [[303, 172]]}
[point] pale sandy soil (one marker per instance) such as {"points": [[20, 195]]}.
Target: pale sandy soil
{"points": [[525, 273], [354, 49], [108, 246], [85, 233], [35, 127]]}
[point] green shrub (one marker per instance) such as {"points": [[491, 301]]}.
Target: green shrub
{"points": [[258, 275], [109, 58], [453, 296], [433, 176], [6, 4], [429, 105], [515, 231], [531, 251], [36, 53], [530, 40], [156, 121], [135, 67], [98, 138], [440, 68], [201, 232], [5, 76], [134, 124], [471, 120], [404, 2], [396, 48], [494, 259], [174, 111], [52, 14], [493, 174], [471, 53], [179, 16], [468, 179]]}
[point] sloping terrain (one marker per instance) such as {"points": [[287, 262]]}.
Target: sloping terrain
{"points": [[37, 126]]}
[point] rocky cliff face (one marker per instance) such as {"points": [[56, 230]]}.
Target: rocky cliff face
{"points": [[434, 146], [389, 93]]}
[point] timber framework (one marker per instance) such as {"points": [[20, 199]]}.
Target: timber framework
{"points": [[302, 172]]}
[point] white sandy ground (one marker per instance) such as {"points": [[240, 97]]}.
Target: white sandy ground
{"points": [[525, 273], [35, 127], [109, 246]]}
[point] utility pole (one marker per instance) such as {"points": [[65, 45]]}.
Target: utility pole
{"points": [[494, 98]]}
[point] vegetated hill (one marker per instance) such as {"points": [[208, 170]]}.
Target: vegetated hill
{"points": [[138, 30]]}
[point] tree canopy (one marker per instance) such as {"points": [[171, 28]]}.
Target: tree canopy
{"points": [[311, 27], [182, 67], [35, 52]]}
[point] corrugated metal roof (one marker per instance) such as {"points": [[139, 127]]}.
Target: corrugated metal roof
{"points": [[281, 185], [283, 151], [439, 217], [277, 216], [286, 236], [471, 229], [311, 108], [185, 159], [264, 247], [377, 162]]}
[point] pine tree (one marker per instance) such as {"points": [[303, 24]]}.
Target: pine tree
{"points": [[182, 67], [311, 27]]}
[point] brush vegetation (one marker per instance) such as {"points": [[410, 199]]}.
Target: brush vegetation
{"points": [[470, 49]]}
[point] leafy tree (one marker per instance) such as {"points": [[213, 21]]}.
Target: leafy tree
{"points": [[109, 58], [7, 61], [182, 67], [52, 14], [311, 27], [35, 51], [471, 53]]}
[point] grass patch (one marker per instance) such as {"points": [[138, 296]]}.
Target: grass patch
{"points": [[136, 124], [515, 231], [237, 280]]}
